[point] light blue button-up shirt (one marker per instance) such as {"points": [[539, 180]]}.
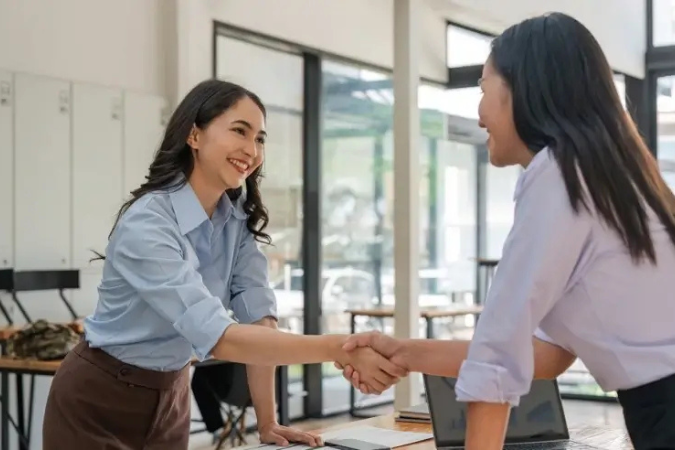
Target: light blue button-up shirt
{"points": [[170, 276], [568, 279]]}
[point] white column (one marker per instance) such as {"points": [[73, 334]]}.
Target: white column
{"points": [[406, 184]]}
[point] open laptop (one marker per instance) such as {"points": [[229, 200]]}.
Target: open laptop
{"points": [[537, 423]]}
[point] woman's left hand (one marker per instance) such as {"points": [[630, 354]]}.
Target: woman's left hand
{"points": [[273, 433]]}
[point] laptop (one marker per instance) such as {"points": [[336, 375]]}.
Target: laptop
{"points": [[537, 423]]}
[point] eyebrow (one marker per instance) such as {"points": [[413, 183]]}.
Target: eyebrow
{"points": [[248, 125]]}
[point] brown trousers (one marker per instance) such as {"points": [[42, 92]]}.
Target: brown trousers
{"points": [[96, 402]]}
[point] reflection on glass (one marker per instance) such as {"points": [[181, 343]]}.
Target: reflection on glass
{"points": [[663, 14], [465, 47], [281, 187], [358, 114], [666, 128]]}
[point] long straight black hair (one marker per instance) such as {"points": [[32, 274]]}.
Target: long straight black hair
{"points": [[174, 158], [564, 98]]}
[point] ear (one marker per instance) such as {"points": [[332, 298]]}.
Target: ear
{"points": [[193, 138]]}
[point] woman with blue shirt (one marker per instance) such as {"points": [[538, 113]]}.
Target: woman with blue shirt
{"points": [[182, 251], [588, 269]]}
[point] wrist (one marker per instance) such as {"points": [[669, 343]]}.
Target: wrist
{"points": [[263, 426], [335, 344]]}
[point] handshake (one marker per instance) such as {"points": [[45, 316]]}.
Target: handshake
{"points": [[372, 362]]}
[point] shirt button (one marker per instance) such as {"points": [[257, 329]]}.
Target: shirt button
{"points": [[124, 371]]}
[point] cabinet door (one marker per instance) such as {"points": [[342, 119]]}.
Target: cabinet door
{"points": [[6, 170], [144, 121], [42, 196], [97, 168]]}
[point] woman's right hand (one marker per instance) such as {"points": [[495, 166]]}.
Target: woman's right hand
{"points": [[376, 373]]}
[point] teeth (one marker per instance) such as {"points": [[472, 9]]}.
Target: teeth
{"points": [[239, 164]]}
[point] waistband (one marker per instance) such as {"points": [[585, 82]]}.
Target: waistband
{"points": [[659, 391], [131, 374]]}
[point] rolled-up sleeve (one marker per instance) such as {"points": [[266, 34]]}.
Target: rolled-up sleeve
{"points": [[252, 298], [148, 255], [538, 261]]}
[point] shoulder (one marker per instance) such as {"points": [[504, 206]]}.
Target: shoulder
{"points": [[149, 216], [542, 172]]}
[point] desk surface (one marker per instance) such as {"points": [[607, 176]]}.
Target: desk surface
{"points": [[451, 311], [601, 437]]}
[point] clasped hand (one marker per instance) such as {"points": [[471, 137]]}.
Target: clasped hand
{"points": [[373, 363]]}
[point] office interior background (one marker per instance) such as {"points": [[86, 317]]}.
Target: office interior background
{"points": [[86, 88]]}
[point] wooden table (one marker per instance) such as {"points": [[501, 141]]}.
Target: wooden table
{"points": [[600, 437], [427, 314], [22, 423]]}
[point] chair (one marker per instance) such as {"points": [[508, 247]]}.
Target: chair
{"points": [[43, 280], [6, 284], [222, 388]]}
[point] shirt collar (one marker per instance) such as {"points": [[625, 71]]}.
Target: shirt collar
{"points": [[190, 214], [536, 161]]}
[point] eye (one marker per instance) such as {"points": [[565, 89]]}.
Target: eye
{"points": [[261, 140], [240, 131]]}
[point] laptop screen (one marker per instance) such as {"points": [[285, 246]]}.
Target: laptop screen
{"points": [[539, 417]]}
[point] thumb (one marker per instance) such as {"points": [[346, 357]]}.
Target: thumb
{"points": [[358, 340]]}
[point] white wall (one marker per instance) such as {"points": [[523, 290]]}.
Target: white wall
{"points": [[619, 25], [357, 29], [121, 43]]}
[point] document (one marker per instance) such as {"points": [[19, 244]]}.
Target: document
{"points": [[381, 436]]}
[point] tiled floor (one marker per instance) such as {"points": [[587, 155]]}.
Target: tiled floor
{"points": [[577, 413]]}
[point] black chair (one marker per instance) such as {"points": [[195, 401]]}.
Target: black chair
{"points": [[222, 390], [44, 280], [226, 384], [6, 284]]}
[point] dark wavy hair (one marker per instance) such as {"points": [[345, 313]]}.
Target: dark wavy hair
{"points": [[564, 98], [201, 105]]}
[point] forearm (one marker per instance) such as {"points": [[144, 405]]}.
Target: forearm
{"points": [[252, 344], [444, 358], [486, 426], [261, 384]]}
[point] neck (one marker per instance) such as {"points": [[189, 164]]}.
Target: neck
{"points": [[207, 195]]}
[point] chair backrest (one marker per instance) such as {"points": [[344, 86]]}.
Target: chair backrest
{"points": [[239, 394], [6, 279], [42, 280]]}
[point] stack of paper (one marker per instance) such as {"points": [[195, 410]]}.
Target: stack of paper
{"points": [[373, 435], [380, 436]]}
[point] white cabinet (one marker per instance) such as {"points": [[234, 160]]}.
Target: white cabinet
{"points": [[97, 168], [6, 170], [144, 122], [42, 177]]}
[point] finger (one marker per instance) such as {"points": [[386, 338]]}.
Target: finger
{"points": [[338, 366], [393, 369], [348, 371], [304, 438], [356, 378], [365, 389], [374, 383], [278, 439], [358, 340], [386, 380]]}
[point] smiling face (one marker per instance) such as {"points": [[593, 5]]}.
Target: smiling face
{"points": [[495, 114], [230, 147]]}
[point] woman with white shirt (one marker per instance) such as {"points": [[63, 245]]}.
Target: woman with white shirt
{"points": [[588, 269]]}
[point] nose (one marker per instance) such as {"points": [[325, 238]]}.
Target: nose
{"points": [[251, 150], [481, 124]]}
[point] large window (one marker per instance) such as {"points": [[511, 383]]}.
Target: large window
{"points": [[277, 77], [666, 128], [663, 16]]}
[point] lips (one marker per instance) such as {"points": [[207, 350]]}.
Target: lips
{"points": [[239, 165]]}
